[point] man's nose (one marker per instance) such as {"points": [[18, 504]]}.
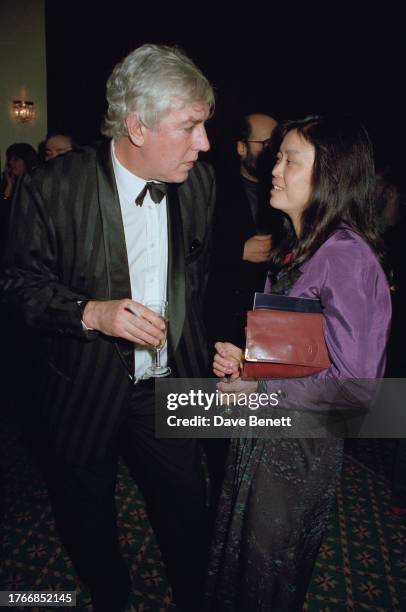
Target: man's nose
{"points": [[202, 142]]}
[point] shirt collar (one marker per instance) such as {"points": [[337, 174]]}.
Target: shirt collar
{"points": [[127, 183]]}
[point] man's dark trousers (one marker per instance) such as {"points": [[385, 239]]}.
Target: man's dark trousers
{"points": [[169, 475]]}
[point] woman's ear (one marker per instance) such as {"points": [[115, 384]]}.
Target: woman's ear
{"points": [[135, 129]]}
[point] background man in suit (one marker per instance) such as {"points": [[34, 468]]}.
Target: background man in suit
{"points": [[243, 243], [93, 232], [243, 230]]}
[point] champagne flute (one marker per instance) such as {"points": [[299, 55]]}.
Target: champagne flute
{"points": [[156, 370], [227, 379]]}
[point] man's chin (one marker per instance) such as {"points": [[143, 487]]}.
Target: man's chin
{"points": [[181, 176]]}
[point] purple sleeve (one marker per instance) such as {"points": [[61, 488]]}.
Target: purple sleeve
{"points": [[351, 285]]}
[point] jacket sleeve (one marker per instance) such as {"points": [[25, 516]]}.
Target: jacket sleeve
{"points": [[29, 283]]}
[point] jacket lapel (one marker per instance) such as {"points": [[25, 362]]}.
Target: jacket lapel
{"points": [[118, 278], [176, 269]]}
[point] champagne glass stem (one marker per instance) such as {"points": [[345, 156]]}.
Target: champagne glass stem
{"points": [[158, 358]]}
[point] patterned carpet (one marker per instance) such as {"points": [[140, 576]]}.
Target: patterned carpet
{"points": [[362, 561], [361, 565]]}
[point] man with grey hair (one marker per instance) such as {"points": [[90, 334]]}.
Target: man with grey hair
{"points": [[95, 236]]}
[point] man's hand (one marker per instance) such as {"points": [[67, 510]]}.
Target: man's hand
{"points": [[227, 360], [257, 249], [114, 318]]}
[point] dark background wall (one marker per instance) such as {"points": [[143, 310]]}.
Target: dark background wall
{"points": [[288, 64]]}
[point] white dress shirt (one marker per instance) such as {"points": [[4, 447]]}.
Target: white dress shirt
{"points": [[146, 237]]}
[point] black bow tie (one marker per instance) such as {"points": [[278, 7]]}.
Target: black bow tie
{"points": [[157, 191]]}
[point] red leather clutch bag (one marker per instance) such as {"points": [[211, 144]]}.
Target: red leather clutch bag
{"points": [[284, 343]]}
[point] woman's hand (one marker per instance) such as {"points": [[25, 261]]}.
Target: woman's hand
{"points": [[227, 360], [9, 182]]}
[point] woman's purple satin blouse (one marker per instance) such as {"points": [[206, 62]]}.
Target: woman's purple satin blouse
{"points": [[349, 281]]}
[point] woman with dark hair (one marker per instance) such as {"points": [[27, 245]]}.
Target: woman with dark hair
{"points": [[278, 493], [21, 157]]}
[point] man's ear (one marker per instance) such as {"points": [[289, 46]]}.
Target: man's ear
{"points": [[241, 148], [135, 129]]}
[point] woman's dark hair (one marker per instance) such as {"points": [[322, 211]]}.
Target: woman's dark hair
{"points": [[24, 151], [343, 187]]}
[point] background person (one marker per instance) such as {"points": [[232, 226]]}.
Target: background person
{"points": [[21, 157], [57, 143], [241, 251], [242, 230]]}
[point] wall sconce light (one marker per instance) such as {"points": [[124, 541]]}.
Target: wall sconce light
{"points": [[23, 110]]}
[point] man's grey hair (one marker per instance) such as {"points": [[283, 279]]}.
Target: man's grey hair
{"points": [[149, 81]]}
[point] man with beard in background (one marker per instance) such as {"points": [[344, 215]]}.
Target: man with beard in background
{"points": [[242, 246], [243, 238]]}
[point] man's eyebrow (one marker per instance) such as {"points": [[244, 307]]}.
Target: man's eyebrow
{"points": [[191, 120]]}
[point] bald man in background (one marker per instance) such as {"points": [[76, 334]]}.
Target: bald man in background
{"points": [[243, 238], [242, 246]]}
